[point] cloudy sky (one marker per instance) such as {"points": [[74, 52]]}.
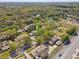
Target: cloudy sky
{"points": [[39, 0]]}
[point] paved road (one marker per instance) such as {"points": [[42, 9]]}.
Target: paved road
{"points": [[67, 51]]}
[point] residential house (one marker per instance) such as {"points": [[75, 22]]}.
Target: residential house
{"points": [[58, 43], [3, 37], [76, 54], [55, 40], [40, 51], [32, 26], [33, 33], [75, 21], [28, 28], [4, 46], [51, 42]]}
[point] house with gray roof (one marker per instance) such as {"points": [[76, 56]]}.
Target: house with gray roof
{"points": [[4, 46], [3, 37]]}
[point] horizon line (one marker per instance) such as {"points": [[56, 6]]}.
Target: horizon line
{"points": [[40, 1]]}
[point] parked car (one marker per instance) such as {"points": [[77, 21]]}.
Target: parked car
{"points": [[67, 42], [14, 54], [60, 55], [46, 44], [75, 34]]}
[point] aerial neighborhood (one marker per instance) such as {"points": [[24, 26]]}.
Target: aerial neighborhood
{"points": [[42, 31]]}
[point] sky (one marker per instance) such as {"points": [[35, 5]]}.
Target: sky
{"points": [[39, 0]]}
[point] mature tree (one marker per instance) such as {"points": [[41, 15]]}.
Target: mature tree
{"points": [[11, 34], [27, 40], [65, 37], [13, 46], [71, 30], [40, 39], [47, 35]]}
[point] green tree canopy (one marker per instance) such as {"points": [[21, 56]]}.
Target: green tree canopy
{"points": [[71, 30], [40, 39], [13, 46], [65, 37]]}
